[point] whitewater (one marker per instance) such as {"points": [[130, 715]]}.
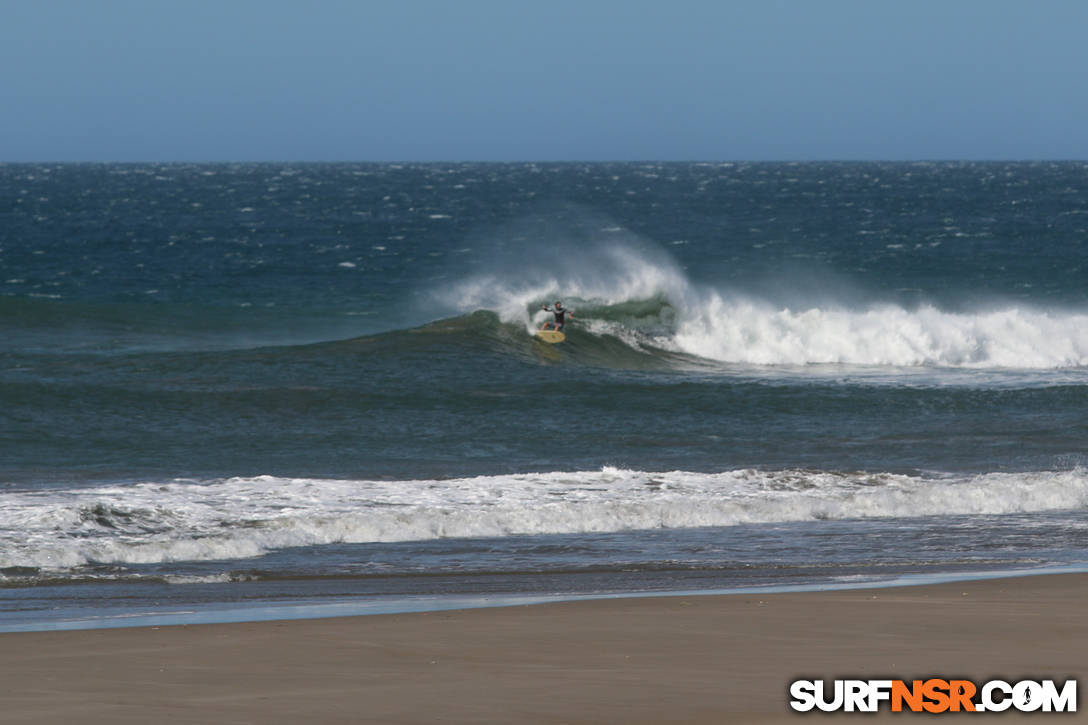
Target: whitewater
{"points": [[248, 518], [644, 298]]}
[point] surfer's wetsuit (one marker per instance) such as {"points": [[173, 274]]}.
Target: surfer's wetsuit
{"points": [[560, 316]]}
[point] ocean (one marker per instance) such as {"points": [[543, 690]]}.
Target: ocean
{"points": [[228, 389]]}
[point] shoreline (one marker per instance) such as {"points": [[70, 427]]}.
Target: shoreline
{"points": [[363, 607], [685, 659]]}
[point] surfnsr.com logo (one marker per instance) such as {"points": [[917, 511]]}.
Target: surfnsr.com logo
{"points": [[935, 695]]}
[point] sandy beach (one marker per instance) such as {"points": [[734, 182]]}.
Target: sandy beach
{"points": [[690, 659]]}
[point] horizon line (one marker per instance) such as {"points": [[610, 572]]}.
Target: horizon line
{"points": [[422, 162]]}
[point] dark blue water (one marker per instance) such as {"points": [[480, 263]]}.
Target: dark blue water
{"points": [[259, 382]]}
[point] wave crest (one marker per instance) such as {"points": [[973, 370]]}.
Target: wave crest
{"points": [[646, 300]]}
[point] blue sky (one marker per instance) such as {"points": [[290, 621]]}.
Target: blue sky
{"points": [[550, 80]]}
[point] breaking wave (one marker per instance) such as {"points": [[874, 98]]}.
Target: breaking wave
{"points": [[644, 299], [242, 518]]}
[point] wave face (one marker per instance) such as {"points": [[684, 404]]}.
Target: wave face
{"points": [[242, 518]]}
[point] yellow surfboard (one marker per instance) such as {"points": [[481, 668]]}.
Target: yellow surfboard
{"points": [[552, 336]]}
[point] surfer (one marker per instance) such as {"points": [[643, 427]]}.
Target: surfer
{"points": [[560, 316]]}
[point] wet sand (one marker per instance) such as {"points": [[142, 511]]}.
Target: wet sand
{"points": [[697, 659]]}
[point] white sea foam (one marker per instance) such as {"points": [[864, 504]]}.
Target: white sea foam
{"points": [[724, 325], [243, 518], [749, 331]]}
